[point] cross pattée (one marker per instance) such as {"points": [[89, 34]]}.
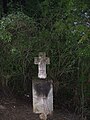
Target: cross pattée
{"points": [[42, 60]]}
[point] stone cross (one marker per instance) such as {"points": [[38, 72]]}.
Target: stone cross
{"points": [[42, 60]]}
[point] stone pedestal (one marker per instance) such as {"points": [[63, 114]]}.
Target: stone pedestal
{"points": [[42, 96]]}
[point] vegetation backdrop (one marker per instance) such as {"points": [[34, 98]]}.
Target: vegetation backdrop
{"points": [[61, 28]]}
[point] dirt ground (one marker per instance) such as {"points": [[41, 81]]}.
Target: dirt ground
{"points": [[14, 109]]}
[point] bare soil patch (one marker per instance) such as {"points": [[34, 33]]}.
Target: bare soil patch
{"points": [[14, 109]]}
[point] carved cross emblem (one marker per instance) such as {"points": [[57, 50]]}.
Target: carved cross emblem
{"points": [[42, 60]]}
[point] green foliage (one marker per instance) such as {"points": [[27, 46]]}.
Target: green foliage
{"points": [[16, 35]]}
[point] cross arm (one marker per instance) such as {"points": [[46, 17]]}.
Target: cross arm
{"points": [[36, 60]]}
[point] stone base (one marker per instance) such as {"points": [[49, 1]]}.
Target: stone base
{"points": [[42, 96]]}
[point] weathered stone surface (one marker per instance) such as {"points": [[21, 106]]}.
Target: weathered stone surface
{"points": [[42, 97], [42, 60]]}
